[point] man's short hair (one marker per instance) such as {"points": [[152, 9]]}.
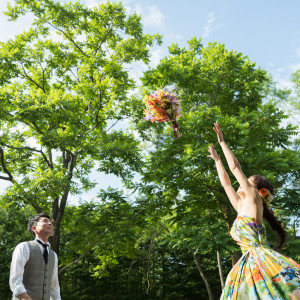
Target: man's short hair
{"points": [[34, 220]]}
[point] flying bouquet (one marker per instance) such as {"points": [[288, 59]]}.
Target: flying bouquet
{"points": [[163, 106]]}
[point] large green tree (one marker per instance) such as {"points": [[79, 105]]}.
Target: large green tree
{"points": [[216, 84], [64, 85]]}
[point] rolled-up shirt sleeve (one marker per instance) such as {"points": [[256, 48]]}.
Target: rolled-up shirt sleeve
{"points": [[55, 289], [19, 258]]}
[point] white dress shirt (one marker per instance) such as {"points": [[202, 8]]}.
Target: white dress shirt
{"points": [[19, 258]]}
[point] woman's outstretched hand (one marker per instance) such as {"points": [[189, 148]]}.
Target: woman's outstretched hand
{"points": [[213, 153], [218, 131]]}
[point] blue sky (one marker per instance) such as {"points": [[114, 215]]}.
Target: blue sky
{"points": [[267, 31]]}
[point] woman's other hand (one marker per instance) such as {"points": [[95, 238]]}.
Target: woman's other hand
{"points": [[213, 153]]}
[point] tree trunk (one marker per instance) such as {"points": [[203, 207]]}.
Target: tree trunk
{"points": [[210, 295], [220, 270], [59, 205], [55, 239]]}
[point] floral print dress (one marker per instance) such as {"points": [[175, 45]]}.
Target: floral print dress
{"points": [[261, 273]]}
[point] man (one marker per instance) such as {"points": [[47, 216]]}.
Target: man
{"points": [[34, 266]]}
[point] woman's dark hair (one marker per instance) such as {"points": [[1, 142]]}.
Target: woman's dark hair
{"points": [[34, 220], [259, 182]]}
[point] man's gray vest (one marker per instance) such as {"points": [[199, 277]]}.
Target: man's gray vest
{"points": [[37, 275]]}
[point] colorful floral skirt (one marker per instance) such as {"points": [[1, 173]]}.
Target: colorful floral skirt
{"points": [[262, 273]]}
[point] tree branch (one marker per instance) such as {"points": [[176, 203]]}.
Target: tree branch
{"points": [[77, 78], [5, 178], [66, 35], [31, 149], [207, 285], [43, 72], [104, 38], [36, 127], [113, 125], [30, 79], [220, 270], [78, 259], [10, 177]]}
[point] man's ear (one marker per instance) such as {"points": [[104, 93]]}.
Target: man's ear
{"points": [[33, 228]]}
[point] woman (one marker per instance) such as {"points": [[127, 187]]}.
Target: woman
{"points": [[261, 273]]}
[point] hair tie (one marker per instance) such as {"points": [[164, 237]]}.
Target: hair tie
{"points": [[266, 195]]}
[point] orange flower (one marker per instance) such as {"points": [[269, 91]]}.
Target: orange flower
{"points": [[263, 192]]}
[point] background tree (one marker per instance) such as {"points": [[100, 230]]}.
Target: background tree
{"points": [[64, 86], [216, 84]]}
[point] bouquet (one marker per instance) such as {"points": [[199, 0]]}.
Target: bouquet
{"points": [[163, 106]]}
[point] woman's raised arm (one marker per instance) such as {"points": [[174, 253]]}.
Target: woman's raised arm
{"points": [[233, 163], [224, 178]]}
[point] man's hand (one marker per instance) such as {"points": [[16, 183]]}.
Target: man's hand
{"points": [[24, 296]]}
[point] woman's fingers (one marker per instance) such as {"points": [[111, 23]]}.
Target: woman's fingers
{"points": [[217, 126], [211, 149]]}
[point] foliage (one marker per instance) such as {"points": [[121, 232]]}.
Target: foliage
{"points": [[216, 84], [64, 86]]}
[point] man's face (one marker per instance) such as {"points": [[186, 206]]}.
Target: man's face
{"points": [[43, 226]]}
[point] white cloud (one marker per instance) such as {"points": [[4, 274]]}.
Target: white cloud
{"points": [[156, 56], [210, 25], [208, 28], [151, 15]]}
